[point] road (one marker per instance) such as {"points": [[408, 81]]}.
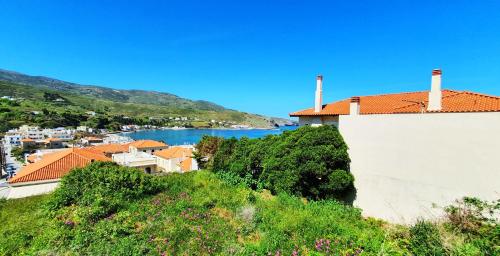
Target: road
{"points": [[4, 188], [10, 159]]}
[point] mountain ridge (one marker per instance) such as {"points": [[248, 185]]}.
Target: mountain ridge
{"points": [[103, 92], [133, 96]]}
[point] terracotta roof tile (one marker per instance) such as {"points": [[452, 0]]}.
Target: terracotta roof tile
{"points": [[175, 152], [56, 165], [147, 144], [112, 148], [412, 102], [186, 165]]}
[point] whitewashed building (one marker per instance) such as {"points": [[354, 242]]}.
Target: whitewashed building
{"points": [[13, 137], [176, 159], [413, 153]]}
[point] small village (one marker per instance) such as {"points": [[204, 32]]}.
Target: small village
{"points": [[302, 128], [46, 155]]}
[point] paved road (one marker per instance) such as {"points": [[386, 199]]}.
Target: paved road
{"points": [[10, 159]]}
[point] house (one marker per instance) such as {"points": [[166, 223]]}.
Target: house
{"points": [[138, 159], [59, 133], [91, 140], [53, 143], [31, 132], [43, 175], [413, 153], [146, 146], [176, 159], [110, 149], [28, 143], [40, 153], [84, 128], [13, 137]]}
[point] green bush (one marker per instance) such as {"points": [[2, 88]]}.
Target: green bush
{"points": [[309, 162], [198, 214], [425, 239], [476, 219], [103, 187]]}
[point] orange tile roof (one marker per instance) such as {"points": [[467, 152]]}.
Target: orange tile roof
{"points": [[56, 165], [112, 148], [147, 144], [174, 152], [33, 157], [186, 164], [27, 140], [412, 102]]}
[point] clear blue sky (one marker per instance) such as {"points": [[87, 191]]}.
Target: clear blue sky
{"points": [[256, 56]]}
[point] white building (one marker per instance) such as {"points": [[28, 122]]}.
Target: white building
{"points": [[147, 146], [141, 160], [59, 133], [176, 159], [84, 128], [13, 137], [31, 132], [412, 153]]}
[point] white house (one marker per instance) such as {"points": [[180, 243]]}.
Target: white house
{"points": [[31, 132], [413, 153], [13, 137], [176, 159], [59, 133], [140, 160], [44, 175], [146, 146]]}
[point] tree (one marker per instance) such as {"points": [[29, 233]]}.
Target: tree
{"points": [[205, 149], [311, 162]]}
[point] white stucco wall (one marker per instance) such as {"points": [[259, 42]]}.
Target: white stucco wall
{"points": [[25, 190], [404, 164], [318, 120]]}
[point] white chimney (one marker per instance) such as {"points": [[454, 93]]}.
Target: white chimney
{"points": [[435, 93], [354, 106], [318, 101]]}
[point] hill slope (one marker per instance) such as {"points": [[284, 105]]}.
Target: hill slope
{"points": [[123, 96], [126, 212], [137, 104]]}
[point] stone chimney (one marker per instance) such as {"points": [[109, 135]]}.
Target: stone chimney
{"points": [[318, 101], [435, 93], [354, 106]]}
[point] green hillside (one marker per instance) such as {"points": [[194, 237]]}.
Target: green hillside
{"points": [[136, 106], [100, 92], [126, 212], [49, 108]]}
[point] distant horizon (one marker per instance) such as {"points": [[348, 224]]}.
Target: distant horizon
{"points": [[256, 57]]}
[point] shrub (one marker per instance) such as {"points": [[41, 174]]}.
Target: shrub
{"points": [[205, 149], [470, 214], [425, 239], [310, 162], [103, 186], [476, 219]]}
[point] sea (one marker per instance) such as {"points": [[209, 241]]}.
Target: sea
{"points": [[192, 136]]}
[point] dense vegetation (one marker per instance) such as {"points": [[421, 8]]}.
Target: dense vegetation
{"points": [[51, 108], [105, 209], [309, 162]]}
